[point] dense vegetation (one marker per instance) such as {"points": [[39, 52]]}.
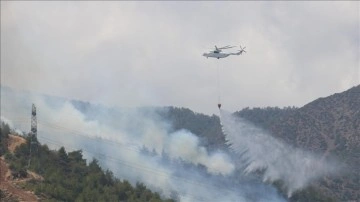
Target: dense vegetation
{"points": [[207, 128], [265, 117], [67, 177], [4, 135]]}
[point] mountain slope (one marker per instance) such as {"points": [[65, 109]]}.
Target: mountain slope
{"points": [[329, 126]]}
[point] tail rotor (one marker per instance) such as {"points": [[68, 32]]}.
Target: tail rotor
{"points": [[242, 50]]}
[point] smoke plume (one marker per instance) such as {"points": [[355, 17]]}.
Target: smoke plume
{"points": [[137, 145]]}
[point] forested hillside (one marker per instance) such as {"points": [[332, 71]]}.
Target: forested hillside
{"points": [[67, 177], [329, 126]]}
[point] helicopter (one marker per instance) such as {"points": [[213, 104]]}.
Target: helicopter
{"points": [[217, 52]]}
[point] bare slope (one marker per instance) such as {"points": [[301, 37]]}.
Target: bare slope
{"points": [[7, 184]]}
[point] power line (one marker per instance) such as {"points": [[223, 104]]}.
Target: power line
{"points": [[81, 134]]}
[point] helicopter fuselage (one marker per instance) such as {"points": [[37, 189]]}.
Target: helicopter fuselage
{"points": [[216, 55]]}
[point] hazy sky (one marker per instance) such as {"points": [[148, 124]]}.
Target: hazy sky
{"points": [[130, 54]]}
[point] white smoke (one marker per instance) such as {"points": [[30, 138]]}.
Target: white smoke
{"points": [[13, 128], [183, 144], [192, 173], [262, 152], [6, 121]]}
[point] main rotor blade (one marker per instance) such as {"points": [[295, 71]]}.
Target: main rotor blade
{"points": [[227, 47]]}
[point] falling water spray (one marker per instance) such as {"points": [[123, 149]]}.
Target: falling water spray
{"points": [[259, 151]]}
